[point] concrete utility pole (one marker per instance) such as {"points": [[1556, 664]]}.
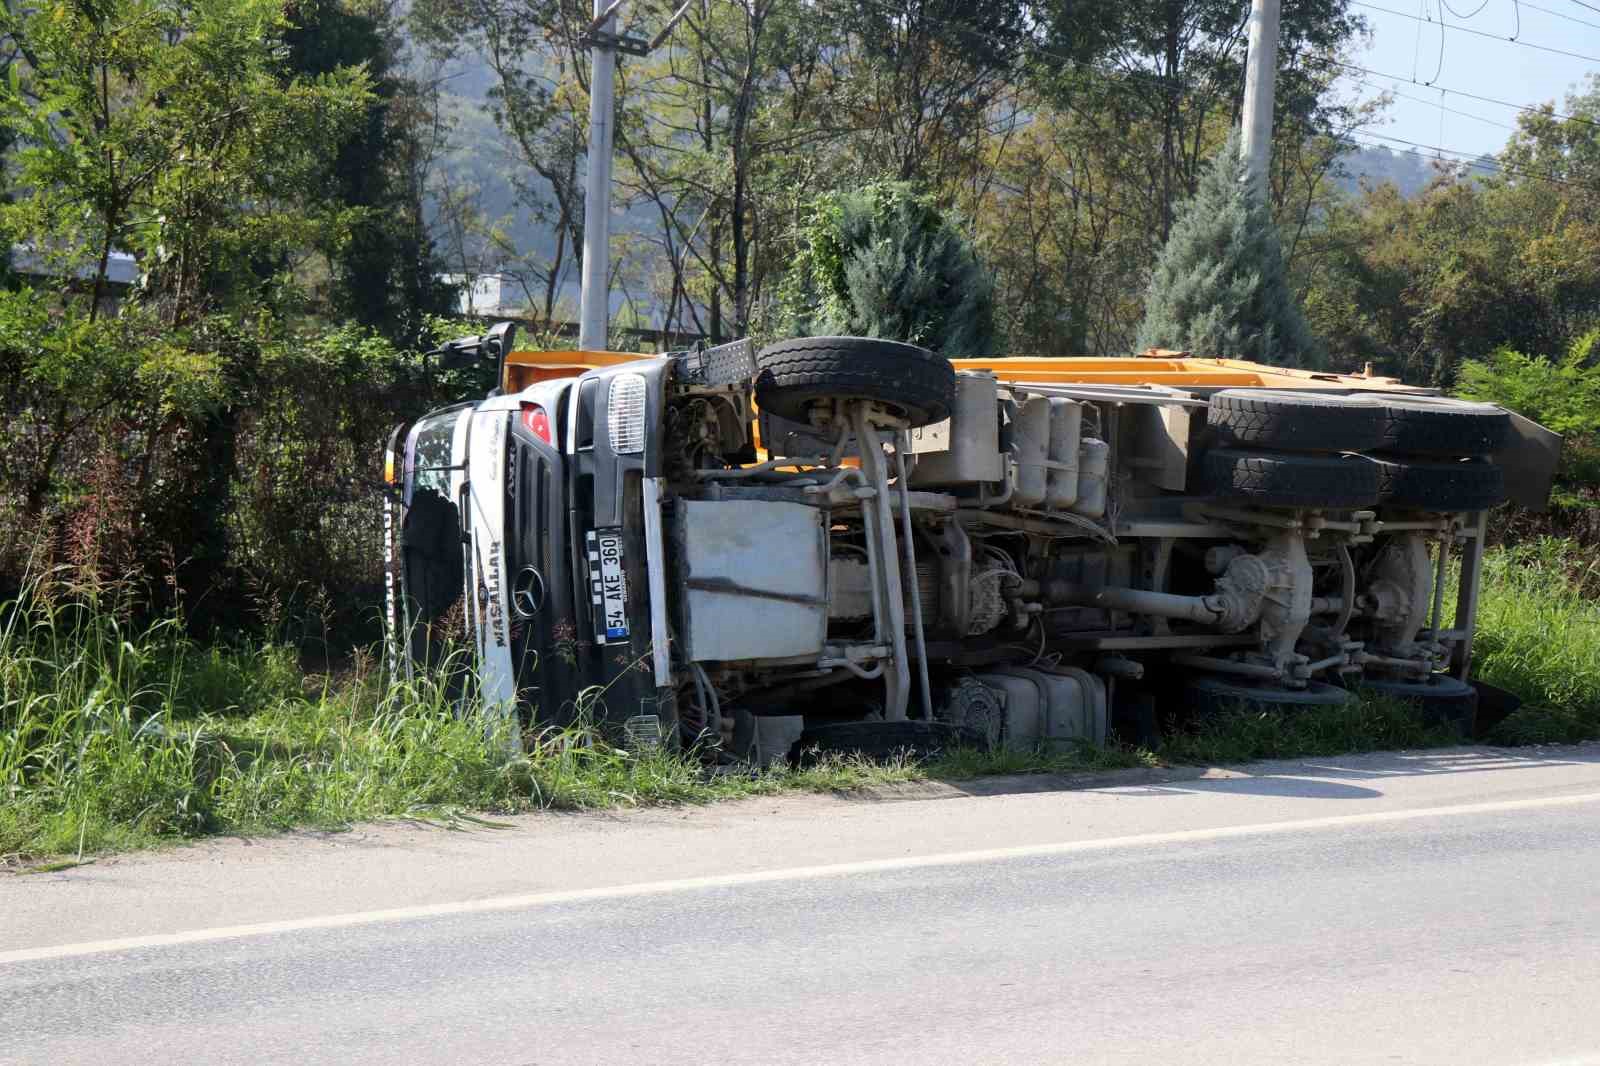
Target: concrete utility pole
{"points": [[1261, 69], [595, 306], [604, 43]]}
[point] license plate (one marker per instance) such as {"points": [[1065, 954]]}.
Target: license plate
{"points": [[608, 585]]}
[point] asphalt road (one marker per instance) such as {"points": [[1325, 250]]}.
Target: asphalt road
{"points": [[1430, 908]]}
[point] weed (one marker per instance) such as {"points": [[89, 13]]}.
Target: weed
{"points": [[1539, 637], [114, 737], [1244, 735]]}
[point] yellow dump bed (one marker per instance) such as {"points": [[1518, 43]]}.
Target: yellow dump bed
{"points": [[1155, 367]]}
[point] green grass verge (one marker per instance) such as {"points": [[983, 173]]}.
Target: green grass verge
{"points": [[115, 738], [1539, 637]]}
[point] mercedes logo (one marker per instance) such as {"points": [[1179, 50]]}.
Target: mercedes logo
{"points": [[527, 592]]}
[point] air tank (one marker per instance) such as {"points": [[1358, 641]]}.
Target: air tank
{"points": [[966, 449], [1066, 425], [1094, 461], [1031, 435]]}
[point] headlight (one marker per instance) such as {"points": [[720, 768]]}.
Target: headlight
{"points": [[625, 413]]}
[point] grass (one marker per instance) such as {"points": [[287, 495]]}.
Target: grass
{"points": [[114, 736], [1539, 637]]}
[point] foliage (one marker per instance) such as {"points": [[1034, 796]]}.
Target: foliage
{"points": [[385, 270], [1480, 261], [1539, 637], [1243, 735], [220, 464], [1561, 394], [115, 734], [1219, 287], [885, 262], [172, 131]]}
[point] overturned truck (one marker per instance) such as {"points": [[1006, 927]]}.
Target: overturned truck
{"points": [[854, 544]]}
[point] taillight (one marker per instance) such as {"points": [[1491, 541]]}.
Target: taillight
{"points": [[537, 421]]}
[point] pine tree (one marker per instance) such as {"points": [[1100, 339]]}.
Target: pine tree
{"points": [[1219, 287], [883, 261]]}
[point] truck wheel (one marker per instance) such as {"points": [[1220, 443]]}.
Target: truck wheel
{"points": [[1464, 485], [1442, 699], [794, 375], [1330, 481], [1208, 696], [1294, 421], [881, 740], [1442, 427]]}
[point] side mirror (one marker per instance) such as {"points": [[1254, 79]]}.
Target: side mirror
{"points": [[471, 351], [458, 354], [496, 345]]}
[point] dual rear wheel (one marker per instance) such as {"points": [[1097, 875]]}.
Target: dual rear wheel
{"points": [[1289, 449]]}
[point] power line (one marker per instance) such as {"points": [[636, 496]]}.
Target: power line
{"points": [[1179, 84], [1591, 7], [1454, 92], [1473, 159], [1431, 103], [1479, 33], [1559, 15]]}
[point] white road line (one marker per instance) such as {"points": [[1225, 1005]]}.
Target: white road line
{"points": [[796, 873]]}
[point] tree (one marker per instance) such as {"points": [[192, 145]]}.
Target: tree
{"points": [[1560, 394], [884, 262], [922, 78], [722, 136], [536, 62], [1219, 287], [1164, 77], [385, 268], [1478, 261], [173, 131]]}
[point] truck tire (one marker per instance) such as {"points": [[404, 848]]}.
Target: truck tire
{"points": [[1328, 481], [915, 383], [877, 741], [1294, 421], [1442, 427], [1442, 700], [1464, 485], [1208, 696]]}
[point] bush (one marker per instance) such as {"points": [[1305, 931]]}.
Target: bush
{"points": [[1539, 637], [223, 467], [883, 261], [1561, 394]]}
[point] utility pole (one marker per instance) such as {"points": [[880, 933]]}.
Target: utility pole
{"points": [[604, 43], [595, 305], [1261, 69]]}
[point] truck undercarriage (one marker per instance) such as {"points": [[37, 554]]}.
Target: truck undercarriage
{"points": [[851, 544]]}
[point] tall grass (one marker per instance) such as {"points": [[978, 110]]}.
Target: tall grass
{"points": [[1539, 637], [116, 735]]}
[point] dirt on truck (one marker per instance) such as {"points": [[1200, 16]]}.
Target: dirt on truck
{"points": [[852, 544]]}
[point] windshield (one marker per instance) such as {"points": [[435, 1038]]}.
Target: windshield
{"points": [[430, 563], [429, 452]]}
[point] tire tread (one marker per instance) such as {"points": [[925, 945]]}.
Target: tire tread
{"points": [[790, 375]]}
